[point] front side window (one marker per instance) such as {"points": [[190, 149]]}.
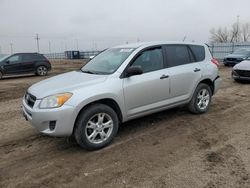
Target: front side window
{"points": [[108, 61], [177, 55], [149, 60], [14, 58]]}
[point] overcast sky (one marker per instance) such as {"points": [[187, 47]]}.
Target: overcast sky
{"points": [[98, 24]]}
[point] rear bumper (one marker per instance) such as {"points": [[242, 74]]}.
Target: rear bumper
{"points": [[217, 84]]}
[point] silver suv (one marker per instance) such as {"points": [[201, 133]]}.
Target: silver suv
{"points": [[120, 84]]}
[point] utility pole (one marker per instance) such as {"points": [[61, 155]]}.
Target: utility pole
{"points": [[49, 47], [65, 44], [11, 48], [237, 32], [37, 42], [184, 38], [77, 47]]}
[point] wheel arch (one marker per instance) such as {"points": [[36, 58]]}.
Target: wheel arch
{"points": [[209, 82], [107, 101]]}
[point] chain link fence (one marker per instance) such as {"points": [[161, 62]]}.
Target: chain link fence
{"points": [[220, 50]]}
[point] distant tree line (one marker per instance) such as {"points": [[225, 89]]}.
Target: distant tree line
{"points": [[236, 33]]}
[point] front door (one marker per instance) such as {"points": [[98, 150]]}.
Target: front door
{"points": [[147, 91], [12, 65]]}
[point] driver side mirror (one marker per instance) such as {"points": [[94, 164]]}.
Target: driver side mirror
{"points": [[134, 70], [7, 62]]}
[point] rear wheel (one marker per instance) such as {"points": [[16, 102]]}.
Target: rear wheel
{"points": [[201, 99], [96, 127], [42, 70]]}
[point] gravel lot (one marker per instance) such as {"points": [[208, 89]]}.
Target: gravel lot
{"points": [[169, 149]]}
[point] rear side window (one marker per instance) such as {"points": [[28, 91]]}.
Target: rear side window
{"points": [[198, 51], [28, 57], [177, 55], [39, 56]]}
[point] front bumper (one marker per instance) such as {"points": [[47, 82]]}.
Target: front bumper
{"points": [[231, 63], [41, 119], [217, 84], [236, 76]]}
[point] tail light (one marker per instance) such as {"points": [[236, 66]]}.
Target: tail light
{"points": [[214, 61]]}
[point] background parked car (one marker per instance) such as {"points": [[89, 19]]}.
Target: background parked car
{"points": [[241, 71], [22, 63], [237, 56]]}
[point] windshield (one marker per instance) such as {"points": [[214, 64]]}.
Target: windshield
{"points": [[108, 61], [241, 52]]}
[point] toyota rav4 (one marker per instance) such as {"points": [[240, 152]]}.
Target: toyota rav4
{"points": [[120, 84]]}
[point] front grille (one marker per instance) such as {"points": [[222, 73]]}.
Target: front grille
{"points": [[244, 73], [30, 100], [231, 59]]}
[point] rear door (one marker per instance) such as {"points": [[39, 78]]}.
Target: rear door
{"points": [[147, 91], [12, 65], [28, 61], [184, 72]]}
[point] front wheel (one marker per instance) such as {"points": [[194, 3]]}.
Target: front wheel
{"points": [[201, 99], [41, 70], [96, 127]]}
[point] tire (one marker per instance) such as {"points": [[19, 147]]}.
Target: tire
{"points": [[41, 70], [1, 75], [201, 99], [90, 132]]}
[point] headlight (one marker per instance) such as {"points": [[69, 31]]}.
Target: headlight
{"points": [[55, 101]]}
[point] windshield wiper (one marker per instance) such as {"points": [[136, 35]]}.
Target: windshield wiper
{"points": [[88, 71]]}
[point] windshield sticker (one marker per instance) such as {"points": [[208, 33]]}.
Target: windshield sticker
{"points": [[126, 50]]}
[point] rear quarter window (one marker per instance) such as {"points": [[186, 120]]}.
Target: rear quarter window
{"points": [[198, 51]]}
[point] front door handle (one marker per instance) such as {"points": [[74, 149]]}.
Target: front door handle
{"points": [[197, 70], [164, 76]]}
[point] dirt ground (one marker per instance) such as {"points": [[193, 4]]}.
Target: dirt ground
{"points": [[169, 149]]}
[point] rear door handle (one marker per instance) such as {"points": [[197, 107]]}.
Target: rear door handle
{"points": [[164, 76], [197, 70]]}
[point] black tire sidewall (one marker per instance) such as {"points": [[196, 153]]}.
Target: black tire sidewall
{"points": [[194, 99], [81, 123], [1, 75]]}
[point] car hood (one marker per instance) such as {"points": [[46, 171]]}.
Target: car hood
{"points": [[244, 65], [64, 83], [235, 56]]}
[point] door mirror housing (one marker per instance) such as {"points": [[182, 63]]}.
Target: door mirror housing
{"points": [[7, 62], [134, 70]]}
